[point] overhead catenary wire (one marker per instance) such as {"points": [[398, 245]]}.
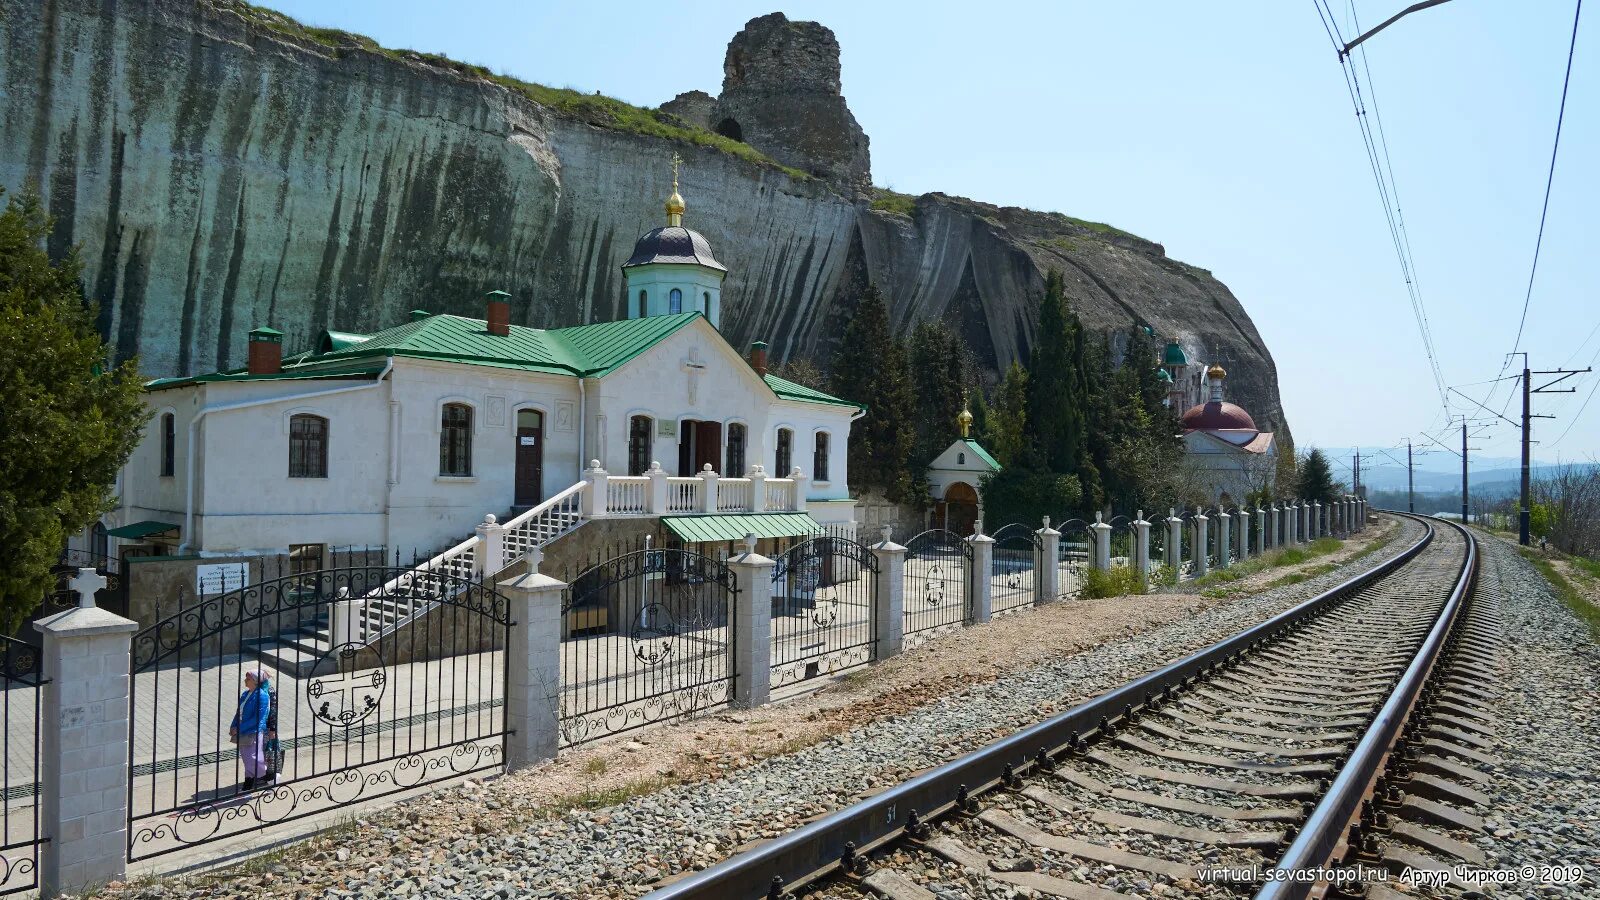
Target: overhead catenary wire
{"points": [[1383, 178]]}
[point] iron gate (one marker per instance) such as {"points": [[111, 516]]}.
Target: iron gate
{"points": [[646, 636], [19, 747], [352, 718], [938, 574], [1013, 570], [824, 607], [1072, 557]]}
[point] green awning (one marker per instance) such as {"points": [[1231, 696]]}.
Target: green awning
{"points": [[141, 530], [709, 529]]}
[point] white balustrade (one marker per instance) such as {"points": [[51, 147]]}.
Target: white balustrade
{"points": [[628, 495], [780, 494], [733, 495], [683, 495]]}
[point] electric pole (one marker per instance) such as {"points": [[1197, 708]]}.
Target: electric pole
{"points": [[1525, 512], [1463, 470], [1411, 491]]}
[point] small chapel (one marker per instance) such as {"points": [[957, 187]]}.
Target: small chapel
{"points": [[408, 437]]}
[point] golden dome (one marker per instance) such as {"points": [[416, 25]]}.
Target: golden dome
{"points": [[964, 420], [1216, 371], [675, 204]]}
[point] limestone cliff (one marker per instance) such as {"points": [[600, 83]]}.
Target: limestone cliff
{"points": [[221, 169]]}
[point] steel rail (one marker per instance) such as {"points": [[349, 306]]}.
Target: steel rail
{"points": [[1321, 840], [818, 849]]}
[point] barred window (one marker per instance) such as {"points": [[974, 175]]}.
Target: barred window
{"points": [[735, 465], [819, 458], [169, 444], [675, 301], [643, 307], [640, 429], [308, 446], [785, 456], [455, 440]]}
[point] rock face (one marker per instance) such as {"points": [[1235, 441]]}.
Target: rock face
{"points": [[219, 174]]}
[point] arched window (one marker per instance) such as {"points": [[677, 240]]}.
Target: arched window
{"points": [[819, 458], [643, 307], [961, 459], [640, 431], [710, 309], [308, 446], [169, 444], [455, 440], [675, 301], [784, 460], [735, 466]]}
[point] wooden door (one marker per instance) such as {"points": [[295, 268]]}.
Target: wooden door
{"points": [[530, 457], [708, 446]]}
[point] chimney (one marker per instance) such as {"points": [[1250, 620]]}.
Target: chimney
{"points": [[266, 352], [758, 358], [499, 313]]}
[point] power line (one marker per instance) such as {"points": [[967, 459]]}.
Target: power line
{"points": [[1550, 178]]}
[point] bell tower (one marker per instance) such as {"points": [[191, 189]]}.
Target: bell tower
{"points": [[672, 269]]}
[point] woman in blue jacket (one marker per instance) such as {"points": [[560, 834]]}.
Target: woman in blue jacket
{"points": [[249, 729]]}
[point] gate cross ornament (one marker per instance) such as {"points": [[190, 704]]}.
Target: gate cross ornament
{"points": [[87, 583], [356, 693]]}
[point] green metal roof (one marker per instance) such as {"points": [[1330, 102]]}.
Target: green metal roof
{"points": [[1174, 355], [302, 372], [788, 390], [141, 529], [338, 340], [983, 454], [709, 529], [1163, 375]]}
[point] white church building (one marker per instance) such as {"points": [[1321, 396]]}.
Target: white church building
{"points": [[1228, 454], [408, 437]]}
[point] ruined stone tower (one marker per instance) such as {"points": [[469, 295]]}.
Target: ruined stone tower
{"points": [[781, 95]]}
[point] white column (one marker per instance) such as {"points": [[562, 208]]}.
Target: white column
{"points": [[533, 667], [1306, 532], [1361, 523], [1201, 534], [83, 743], [979, 593], [708, 489], [802, 486], [594, 499], [1174, 540], [890, 596], [1319, 528], [758, 488], [347, 619], [1277, 523], [1224, 533], [1102, 543], [1261, 530], [1244, 534], [752, 631], [657, 499], [1141, 548], [1046, 574], [488, 555]]}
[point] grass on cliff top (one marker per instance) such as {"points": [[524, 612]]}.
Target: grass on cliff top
{"points": [[1099, 227], [594, 109], [891, 201]]}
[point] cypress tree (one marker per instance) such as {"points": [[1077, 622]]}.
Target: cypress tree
{"points": [[1056, 400], [870, 367], [1316, 477]]}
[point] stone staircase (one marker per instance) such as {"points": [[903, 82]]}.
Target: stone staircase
{"points": [[367, 619]]}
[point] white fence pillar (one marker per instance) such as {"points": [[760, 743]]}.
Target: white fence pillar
{"points": [[752, 632], [1201, 535], [1363, 520], [1174, 541], [1141, 548], [533, 666], [1243, 542], [889, 596], [758, 488], [1102, 543], [1224, 538], [658, 489], [1277, 525], [1261, 530], [1306, 534], [83, 744], [1047, 574], [980, 599], [489, 555], [708, 489], [594, 499], [802, 486]]}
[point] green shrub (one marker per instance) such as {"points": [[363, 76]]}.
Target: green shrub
{"points": [[889, 201], [1118, 581]]}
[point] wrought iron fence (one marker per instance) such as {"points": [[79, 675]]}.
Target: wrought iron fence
{"points": [[824, 603], [1187, 533], [647, 636], [1122, 539], [339, 720], [19, 748], [937, 577], [1013, 569], [1074, 554]]}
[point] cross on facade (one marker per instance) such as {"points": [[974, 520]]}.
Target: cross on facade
{"points": [[87, 583], [695, 368]]}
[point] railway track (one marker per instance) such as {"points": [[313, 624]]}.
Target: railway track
{"points": [[1341, 734]]}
